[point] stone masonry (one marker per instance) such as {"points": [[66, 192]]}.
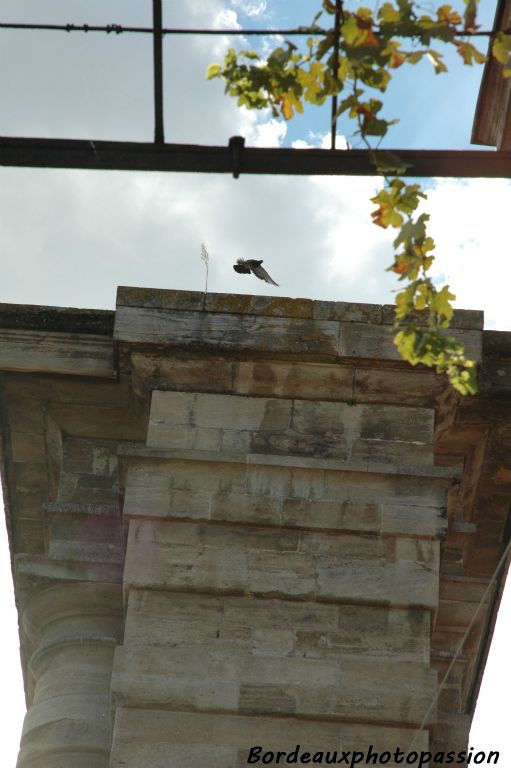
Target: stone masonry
{"points": [[243, 520]]}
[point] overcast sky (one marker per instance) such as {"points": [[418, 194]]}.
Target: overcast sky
{"points": [[69, 238]]}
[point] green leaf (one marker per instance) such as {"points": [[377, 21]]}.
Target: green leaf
{"points": [[408, 196], [329, 6], [312, 82], [352, 33], [351, 103], [412, 231], [389, 14], [356, 30], [388, 162], [374, 126], [502, 52], [430, 347], [441, 303], [386, 214], [214, 70]]}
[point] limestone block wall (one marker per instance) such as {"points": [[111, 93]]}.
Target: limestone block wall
{"points": [[282, 562], [243, 521]]}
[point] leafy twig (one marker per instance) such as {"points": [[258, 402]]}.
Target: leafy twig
{"points": [[364, 55], [205, 258]]}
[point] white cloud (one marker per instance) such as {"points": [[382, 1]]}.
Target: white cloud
{"points": [[269, 134], [251, 7], [268, 44], [490, 727], [320, 141], [147, 229], [226, 19], [318, 229], [470, 225]]}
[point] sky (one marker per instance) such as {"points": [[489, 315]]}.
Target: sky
{"points": [[69, 238]]}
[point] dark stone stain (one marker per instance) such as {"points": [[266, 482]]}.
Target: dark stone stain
{"points": [[26, 317]]}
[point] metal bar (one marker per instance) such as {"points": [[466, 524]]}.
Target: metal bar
{"points": [[338, 8], [119, 28], [190, 158], [158, 72]]}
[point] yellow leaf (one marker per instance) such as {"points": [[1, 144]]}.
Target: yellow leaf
{"points": [[502, 52], [446, 13], [288, 103], [213, 70], [469, 53], [389, 14]]}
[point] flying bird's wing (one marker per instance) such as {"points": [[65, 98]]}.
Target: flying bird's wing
{"points": [[246, 266], [242, 267], [262, 274]]}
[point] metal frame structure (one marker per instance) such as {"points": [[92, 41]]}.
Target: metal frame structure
{"points": [[235, 158]]}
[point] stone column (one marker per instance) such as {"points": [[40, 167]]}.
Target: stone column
{"points": [[73, 629]]}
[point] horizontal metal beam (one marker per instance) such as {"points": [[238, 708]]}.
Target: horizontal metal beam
{"points": [[238, 159]]}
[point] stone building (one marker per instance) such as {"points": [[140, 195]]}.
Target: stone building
{"points": [[243, 521]]}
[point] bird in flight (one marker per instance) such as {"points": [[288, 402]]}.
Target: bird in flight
{"points": [[246, 266]]}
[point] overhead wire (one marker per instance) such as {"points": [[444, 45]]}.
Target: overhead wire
{"points": [[120, 29]]}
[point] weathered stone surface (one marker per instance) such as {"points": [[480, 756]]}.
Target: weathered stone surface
{"points": [[360, 340], [85, 532], [347, 311], [297, 567], [407, 519], [73, 629], [95, 322], [145, 323], [275, 627], [471, 319], [189, 740], [261, 425], [98, 421], [34, 573], [274, 378], [451, 732], [265, 562], [294, 380], [311, 338], [274, 305], [62, 353], [303, 497], [208, 680], [214, 302], [261, 305], [387, 385], [151, 372]]}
